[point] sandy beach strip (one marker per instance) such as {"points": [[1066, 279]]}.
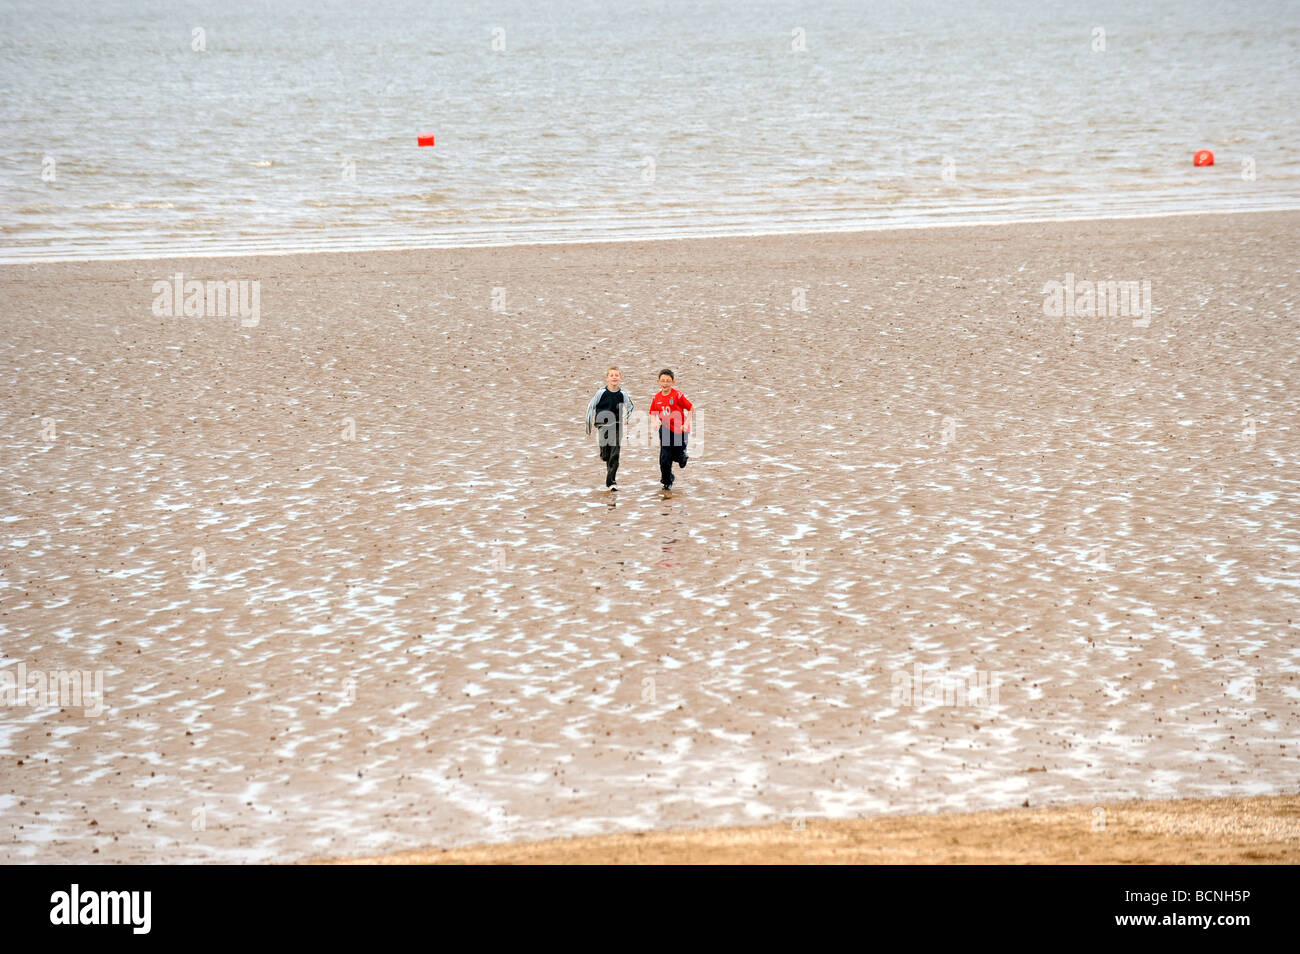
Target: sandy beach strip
{"points": [[351, 584], [1215, 831]]}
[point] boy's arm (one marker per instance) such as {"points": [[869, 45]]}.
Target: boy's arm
{"points": [[591, 409]]}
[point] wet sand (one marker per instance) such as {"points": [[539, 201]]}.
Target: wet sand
{"points": [[1221, 831], [353, 589]]}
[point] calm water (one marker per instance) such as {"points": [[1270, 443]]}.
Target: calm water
{"points": [[296, 127]]}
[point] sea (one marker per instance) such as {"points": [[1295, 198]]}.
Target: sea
{"points": [[143, 128]]}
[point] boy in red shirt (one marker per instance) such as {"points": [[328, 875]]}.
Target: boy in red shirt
{"points": [[671, 409]]}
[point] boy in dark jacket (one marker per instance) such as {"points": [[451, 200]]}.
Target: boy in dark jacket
{"points": [[609, 411]]}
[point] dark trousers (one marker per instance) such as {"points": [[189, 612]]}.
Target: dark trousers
{"points": [[672, 448], [609, 454]]}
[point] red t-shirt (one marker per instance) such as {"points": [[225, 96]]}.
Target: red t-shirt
{"points": [[670, 410]]}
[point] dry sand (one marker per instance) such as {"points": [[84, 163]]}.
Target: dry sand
{"points": [[438, 631], [1262, 830]]}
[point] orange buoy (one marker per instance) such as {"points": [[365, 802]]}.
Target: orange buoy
{"points": [[1203, 158], [428, 141]]}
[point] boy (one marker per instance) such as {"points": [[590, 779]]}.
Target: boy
{"points": [[667, 408], [609, 410]]}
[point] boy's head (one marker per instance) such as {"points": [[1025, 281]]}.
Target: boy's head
{"points": [[666, 380], [613, 378]]}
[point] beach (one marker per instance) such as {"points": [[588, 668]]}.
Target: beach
{"points": [[343, 567]]}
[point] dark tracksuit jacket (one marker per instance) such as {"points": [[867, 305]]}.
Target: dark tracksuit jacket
{"points": [[609, 428]]}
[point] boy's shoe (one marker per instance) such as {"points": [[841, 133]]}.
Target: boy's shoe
{"points": [[613, 486]]}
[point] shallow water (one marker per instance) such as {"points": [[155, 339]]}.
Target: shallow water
{"points": [[295, 128]]}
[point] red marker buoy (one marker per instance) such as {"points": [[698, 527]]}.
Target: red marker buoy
{"points": [[1203, 158], [428, 140]]}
